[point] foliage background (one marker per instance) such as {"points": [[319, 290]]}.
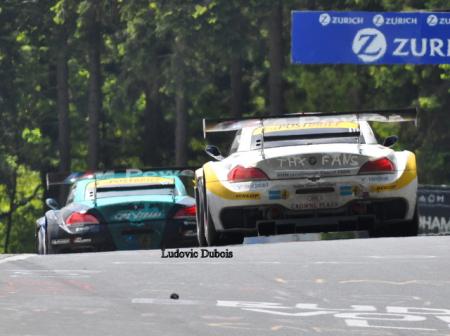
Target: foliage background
{"points": [[164, 65]]}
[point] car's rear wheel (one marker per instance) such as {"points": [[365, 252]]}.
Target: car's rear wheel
{"points": [[411, 228], [210, 231], [200, 215], [40, 241], [50, 234], [401, 229]]}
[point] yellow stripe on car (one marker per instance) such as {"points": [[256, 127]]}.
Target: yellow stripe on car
{"points": [[213, 185], [132, 180], [409, 175], [297, 126]]}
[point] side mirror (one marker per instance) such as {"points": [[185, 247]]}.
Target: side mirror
{"points": [[52, 203], [390, 141], [214, 152]]}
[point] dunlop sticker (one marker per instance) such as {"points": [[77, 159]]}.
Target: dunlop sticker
{"points": [[247, 196], [383, 188]]}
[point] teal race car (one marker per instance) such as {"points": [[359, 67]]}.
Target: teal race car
{"points": [[125, 210]]}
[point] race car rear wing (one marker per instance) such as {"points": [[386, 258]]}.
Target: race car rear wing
{"points": [[66, 178], [388, 115]]}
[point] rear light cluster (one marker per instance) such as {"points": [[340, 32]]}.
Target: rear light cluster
{"points": [[383, 165], [186, 212], [78, 218], [240, 174]]}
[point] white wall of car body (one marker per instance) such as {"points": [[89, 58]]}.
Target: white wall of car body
{"points": [[253, 158]]}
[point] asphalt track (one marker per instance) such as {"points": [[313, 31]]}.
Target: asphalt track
{"points": [[397, 286]]}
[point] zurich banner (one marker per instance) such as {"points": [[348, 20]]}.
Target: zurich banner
{"points": [[335, 37]]}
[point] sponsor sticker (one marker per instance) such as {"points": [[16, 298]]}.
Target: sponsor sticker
{"points": [[278, 194], [346, 190], [60, 241], [325, 19], [81, 240], [314, 205], [379, 178], [352, 190], [247, 196], [382, 188], [250, 185], [141, 215]]}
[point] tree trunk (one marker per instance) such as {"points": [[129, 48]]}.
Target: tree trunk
{"points": [[62, 106], [152, 134], [276, 59], [236, 86], [94, 39], [180, 107], [12, 204], [8, 230]]}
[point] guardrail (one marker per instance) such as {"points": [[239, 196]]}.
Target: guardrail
{"points": [[434, 209]]}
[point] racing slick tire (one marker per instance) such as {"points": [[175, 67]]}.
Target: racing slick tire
{"points": [[40, 242], [411, 228], [206, 231], [199, 200], [211, 235], [50, 233], [402, 229]]}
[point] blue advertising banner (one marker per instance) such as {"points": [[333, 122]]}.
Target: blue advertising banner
{"points": [[434, 209], [335, 37]]}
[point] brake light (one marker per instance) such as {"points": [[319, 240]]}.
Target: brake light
{"points": [[240, 174], [88, 174], [383, 165], [185, 212], [78, 218]]}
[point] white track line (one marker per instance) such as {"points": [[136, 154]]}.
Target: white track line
{"points": [[15, 258]]}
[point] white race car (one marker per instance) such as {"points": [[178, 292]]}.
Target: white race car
{"points": [[311, 172]]}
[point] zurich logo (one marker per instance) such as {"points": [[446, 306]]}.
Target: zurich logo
{"points": [[369, 45], [378, 20], [324, 19], [432, 20]]}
